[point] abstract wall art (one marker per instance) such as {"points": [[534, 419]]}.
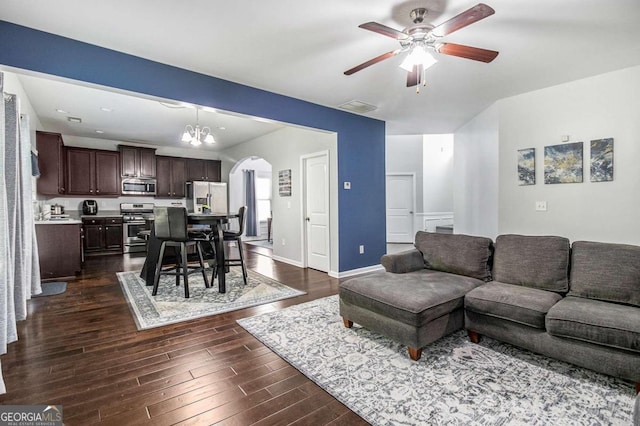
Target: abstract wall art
{"points": [[563, 163], [602, 160], [527, 166]]}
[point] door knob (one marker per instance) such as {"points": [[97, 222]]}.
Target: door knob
{"points": [[308, 220]]}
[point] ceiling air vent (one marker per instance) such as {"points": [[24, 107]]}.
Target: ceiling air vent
{"points": [[74, 119], [358, 107]]}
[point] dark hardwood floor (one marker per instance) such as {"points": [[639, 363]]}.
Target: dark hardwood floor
{"points": [[81, 349]]}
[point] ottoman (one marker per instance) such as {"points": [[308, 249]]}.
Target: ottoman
{"points": [[414, 309]]}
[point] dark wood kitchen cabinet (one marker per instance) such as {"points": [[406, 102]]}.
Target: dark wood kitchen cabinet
{"points": [[51, 163], [92, 172], [172, 176], [59, 249], [103, 235], [137, 162], [198, 169]]}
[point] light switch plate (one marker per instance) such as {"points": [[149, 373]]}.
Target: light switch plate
{"points": [[541, 206]]}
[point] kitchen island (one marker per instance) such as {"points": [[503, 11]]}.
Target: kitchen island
{"points": [[59, 248]]}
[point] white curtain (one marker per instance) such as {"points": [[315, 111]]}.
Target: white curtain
{"points": [[19, 264]]}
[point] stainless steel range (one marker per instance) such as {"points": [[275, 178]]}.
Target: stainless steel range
{"points": [[136, 217]]}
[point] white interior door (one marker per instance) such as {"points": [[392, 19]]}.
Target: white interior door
{"points": [[400, 208], [316, 178]]}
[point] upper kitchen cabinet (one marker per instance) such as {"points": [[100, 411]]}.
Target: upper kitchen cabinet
{"points": [[51, 163], [171, 177], [198, 169], [92, 172], [137, 162]]}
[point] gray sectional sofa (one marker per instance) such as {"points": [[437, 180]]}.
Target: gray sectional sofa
{"points": [[577, 303], [421, 296]]}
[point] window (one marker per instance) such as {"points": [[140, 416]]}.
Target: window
{"points": [[263, 197]]}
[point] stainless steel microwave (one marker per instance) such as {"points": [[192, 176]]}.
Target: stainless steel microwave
{"points": [[134, 186]]}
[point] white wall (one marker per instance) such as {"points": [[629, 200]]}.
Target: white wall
{"points": [[282, 149], [437, 173], [604, 106], [403, 154], [487, 198], [13, 86], [475, 182]]}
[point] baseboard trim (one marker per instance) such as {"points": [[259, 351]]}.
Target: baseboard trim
{"points": [[359, 271], [288, 261]]}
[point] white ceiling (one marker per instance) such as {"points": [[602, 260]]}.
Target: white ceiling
{"points": [[301, 48], [124, 117]]}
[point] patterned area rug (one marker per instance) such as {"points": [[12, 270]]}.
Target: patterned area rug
{"points": [[455, 381], [169, 306]]}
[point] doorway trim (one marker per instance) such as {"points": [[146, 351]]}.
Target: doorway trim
{"points": [[303, 205]]}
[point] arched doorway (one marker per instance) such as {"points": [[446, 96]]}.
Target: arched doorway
{"points": [[257, 234]]}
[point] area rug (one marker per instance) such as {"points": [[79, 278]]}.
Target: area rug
{"points": [[455, 381], [52, 288], [169, 306]]}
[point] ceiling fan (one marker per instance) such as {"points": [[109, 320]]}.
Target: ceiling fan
{"points": [[419, 38]]}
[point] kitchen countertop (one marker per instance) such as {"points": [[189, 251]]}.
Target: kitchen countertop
{"points": [[69, 221], [106, 213], [76, 217]]}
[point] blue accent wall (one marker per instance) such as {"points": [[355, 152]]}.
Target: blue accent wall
{"points": [[361, 140]]}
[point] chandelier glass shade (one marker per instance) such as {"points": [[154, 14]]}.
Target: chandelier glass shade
{"points": [[196, 135]]}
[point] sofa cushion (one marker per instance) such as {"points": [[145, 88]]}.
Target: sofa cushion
{"points": [[403, 262], [540, 262], [605, 271], [515, 303], [456, 253], [595, 321], [415, 298]]}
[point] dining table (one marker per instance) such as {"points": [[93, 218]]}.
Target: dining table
{"points": [[215, 222]]}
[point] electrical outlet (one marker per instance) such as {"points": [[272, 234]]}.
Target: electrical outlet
{"points": [[347, 185], [541, 206], [284, 242], [361, 249]]}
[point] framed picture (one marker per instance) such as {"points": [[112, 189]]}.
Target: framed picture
{"points": [[602, 160], [284, 183], [527, 166], [563, 163]]}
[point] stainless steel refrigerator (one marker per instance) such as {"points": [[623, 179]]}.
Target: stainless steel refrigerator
{"points": [[207, 197]]}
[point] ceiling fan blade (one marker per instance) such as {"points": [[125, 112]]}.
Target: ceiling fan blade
{"points": [[384, 30], [468, 17], [373, 61], [468, 52], [414, 77]]}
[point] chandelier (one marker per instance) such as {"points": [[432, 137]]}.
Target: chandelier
{"points": [[196, 135]]}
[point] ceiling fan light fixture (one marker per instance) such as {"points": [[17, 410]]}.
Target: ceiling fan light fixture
{"points": [[418, 55]]}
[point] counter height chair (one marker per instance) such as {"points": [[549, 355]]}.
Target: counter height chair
{"points": [[170, 227], [231, 235]]}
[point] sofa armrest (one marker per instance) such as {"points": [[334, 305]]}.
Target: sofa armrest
{"points": [[403, 262]]}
